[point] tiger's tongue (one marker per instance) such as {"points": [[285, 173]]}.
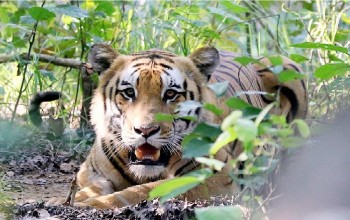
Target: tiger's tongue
{"points": [[147, 151]]}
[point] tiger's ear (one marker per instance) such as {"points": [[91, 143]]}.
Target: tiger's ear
{"points": [[206, 59], [101, 57]]}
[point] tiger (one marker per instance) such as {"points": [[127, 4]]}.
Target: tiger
{"points": [[133, 152]]}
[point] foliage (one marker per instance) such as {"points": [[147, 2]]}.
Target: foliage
{"points": [[251, 130]]}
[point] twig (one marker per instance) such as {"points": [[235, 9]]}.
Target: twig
{"points": [[58, 61], [71, 195], [31, 42]]}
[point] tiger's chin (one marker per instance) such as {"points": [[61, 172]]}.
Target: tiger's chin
{"points": [[142, 172], [148, 162]]}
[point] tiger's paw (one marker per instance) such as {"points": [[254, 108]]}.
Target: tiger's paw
{"points": [[56, 201]]}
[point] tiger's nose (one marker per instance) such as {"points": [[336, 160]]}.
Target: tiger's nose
{"points": [[147, 131]]}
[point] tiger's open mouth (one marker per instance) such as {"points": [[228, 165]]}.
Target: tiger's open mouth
{"points": [[149, 155]]}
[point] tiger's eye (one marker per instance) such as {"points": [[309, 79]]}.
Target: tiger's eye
{"points": [[170, 93], [129, 92]]}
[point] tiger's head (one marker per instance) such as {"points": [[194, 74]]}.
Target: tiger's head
{"points": [[133, 89]]}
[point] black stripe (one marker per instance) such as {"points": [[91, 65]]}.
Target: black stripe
{"points": [[166, 73], [291, 96], [114, 162], [166, 66], [184, 85], [294, 67], [238, 82], [104, 88], [191, 95], [111, 94], [181, 171], [139, 64], [93, 167], [199, 92], [125, 83]]}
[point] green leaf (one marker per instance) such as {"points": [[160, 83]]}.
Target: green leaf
{"points": [[219, 212], [48, 74], [233, 7], [226, 137], [246, 130], [276, 60], [213, 108], [70, 10], [174, 187], [41, 14], [245, 60], [311, 45], [164, 117], [179, 185], [237, 103], [263, 113], [288, 75], [303, 128], [194, 146], [221, 12], [231, 119], [252, 112], [212, 163], [292, 142], [205, 130], [106, 7], [298, 58], [219, 88], [330, 70]]}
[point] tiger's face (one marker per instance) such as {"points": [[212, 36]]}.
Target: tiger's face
{"points": [[133, 90]]}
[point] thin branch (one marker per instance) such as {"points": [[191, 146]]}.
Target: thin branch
{"points": [[58, 61], [31, 42]]}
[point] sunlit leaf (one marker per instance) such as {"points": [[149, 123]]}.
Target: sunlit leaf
{"points": [[246, 130], [237, 103], [298, 58], [288, 75], [213, 108], [210, 162], [303, 128], [41, 14], [179, 185], [174, 187], [264, 113], [219, 212], [164, 117], [245, 60], [226, 137], [312, 45], [231, 119], [330, 70], [276, 60]]}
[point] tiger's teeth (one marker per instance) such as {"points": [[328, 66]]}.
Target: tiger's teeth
{"points": [[141, 155]]}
